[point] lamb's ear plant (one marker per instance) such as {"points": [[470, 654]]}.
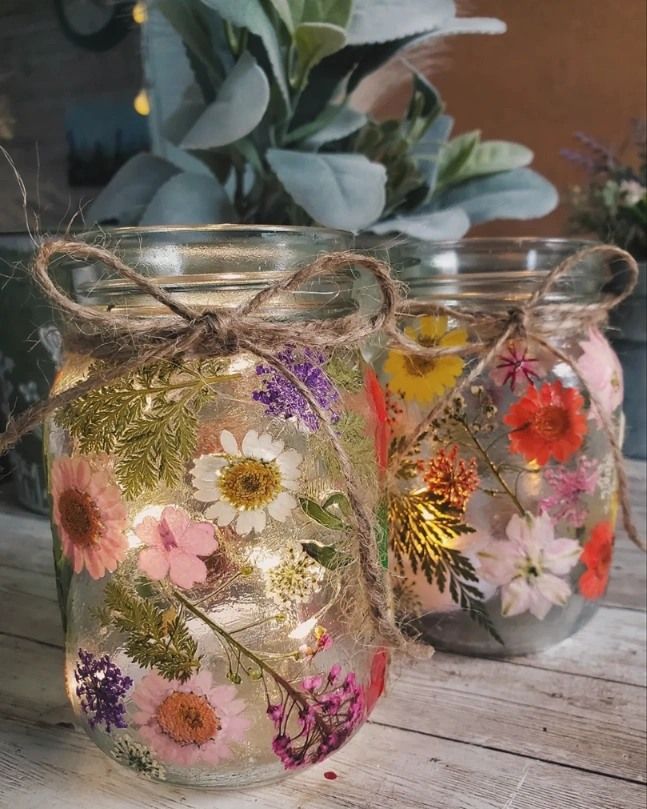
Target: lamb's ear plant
{"points": [[252, 123]]}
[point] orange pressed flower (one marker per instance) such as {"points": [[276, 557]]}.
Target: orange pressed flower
{"points": [[450, 477], [547, 421], [596, 555]]}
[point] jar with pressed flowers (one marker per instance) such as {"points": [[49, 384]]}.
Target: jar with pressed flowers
{"points": [[204, 536], [503, 511]]}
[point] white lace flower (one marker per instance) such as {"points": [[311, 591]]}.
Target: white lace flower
{"points": [[245, 485], [294, 579]]}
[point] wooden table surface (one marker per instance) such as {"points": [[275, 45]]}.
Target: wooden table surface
{"points": [[564, 729]]}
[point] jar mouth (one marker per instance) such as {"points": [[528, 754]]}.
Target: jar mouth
{"points": [[215, 265], [499, 270]]}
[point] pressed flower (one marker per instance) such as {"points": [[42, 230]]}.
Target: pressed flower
{"points": [[192, 722], [379, 666], [596, 556], [529, 566], [451, 478], [569, 486], [547, 421], [89, 514], [515, 367], [101, 688], [318, 719], [602, 372], [377, 401], [174, 544], [323, 641], [295, 578], [138, 757], [422, 379], [245, 485], [282, 398]]}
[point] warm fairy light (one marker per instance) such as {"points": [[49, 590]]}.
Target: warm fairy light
{"points": [[140, 13], [141, 103]]}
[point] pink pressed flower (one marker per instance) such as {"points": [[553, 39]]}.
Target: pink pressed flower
{"points": [[602, 372], [529, 566], [565, 504], [192, 722], [515, 367], [174, 543], [89, 514]]}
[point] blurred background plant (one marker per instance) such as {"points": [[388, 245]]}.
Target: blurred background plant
{"points": [[612, 202], [253, 121]]}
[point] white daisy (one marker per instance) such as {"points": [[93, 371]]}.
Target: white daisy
{"points": [[249, 483]]}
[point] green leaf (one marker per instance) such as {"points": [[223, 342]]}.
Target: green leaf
{"points": [[327, 555], [382, 533], [132, 188], [313, 42], [285, 10], [345, 121], [493, 156], [155, 637], [188, 21], [385, 20], [340, 501], [518, 194], [336, 12], [189, 199], [320, 515], [452, 223], [344, 191], [455, 156], [63, 573], [239, 107], [250, 14], [428, 149]]}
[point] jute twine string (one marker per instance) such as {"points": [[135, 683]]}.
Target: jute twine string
{"points": [[527, 322], [208, 332]]}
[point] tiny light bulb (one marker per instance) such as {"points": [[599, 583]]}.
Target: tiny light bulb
{"points": [[140, 12], [141, 103]]}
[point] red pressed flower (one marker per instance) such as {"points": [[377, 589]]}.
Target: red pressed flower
{"points": [[596, 555], [375, 689], [377, 401], [547, 421]]}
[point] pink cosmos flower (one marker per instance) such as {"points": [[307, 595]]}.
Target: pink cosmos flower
{"points": [[601, 370], [515, 367], [174, 543], [565, 503], [89, 514], [528, 566], [192, 722]]}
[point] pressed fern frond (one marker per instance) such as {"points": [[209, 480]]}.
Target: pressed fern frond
{"points": [[148, 419], [156, 638]]}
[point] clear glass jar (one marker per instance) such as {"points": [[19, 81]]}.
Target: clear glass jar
{"points": [[202, 528], [503, 521]]}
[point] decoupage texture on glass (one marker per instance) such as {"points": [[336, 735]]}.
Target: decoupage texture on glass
{"points": [[205, 549], [502, 515]]}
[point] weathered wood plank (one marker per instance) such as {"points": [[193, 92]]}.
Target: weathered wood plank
{"points": [[383, 768]]}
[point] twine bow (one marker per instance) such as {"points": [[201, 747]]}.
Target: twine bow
{"points": [[132, 343], [527, 322]]}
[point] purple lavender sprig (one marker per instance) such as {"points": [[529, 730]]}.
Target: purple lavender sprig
{"points": [[101, 687], [323, 717], [282, 398]]}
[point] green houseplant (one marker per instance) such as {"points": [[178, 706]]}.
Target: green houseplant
{"points": [[252, 122]]}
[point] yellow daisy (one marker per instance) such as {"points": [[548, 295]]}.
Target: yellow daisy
{"points": [[422, 379]]}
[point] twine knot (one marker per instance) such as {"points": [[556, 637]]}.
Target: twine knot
{"points": [[216, 334]]}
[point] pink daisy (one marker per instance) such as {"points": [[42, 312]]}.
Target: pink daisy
{"points": [[174, 543], [192, 722], [89, 514], [601, 370]]}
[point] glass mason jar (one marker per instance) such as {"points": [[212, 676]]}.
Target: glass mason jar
{"points": [[503, 517], [202, 526]]}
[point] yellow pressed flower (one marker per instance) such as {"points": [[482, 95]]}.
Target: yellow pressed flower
{"points": [[422, 379]]}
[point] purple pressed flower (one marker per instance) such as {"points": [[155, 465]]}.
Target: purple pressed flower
{"points": [[101, 687], [569, 485], [282, 398], [514, 367], [324, 715]]}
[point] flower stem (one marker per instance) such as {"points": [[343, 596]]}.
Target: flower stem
{"points": [[497, 474]]}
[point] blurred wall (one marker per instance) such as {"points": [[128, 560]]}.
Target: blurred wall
{"points": [[563, 66], [41, 73]]}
